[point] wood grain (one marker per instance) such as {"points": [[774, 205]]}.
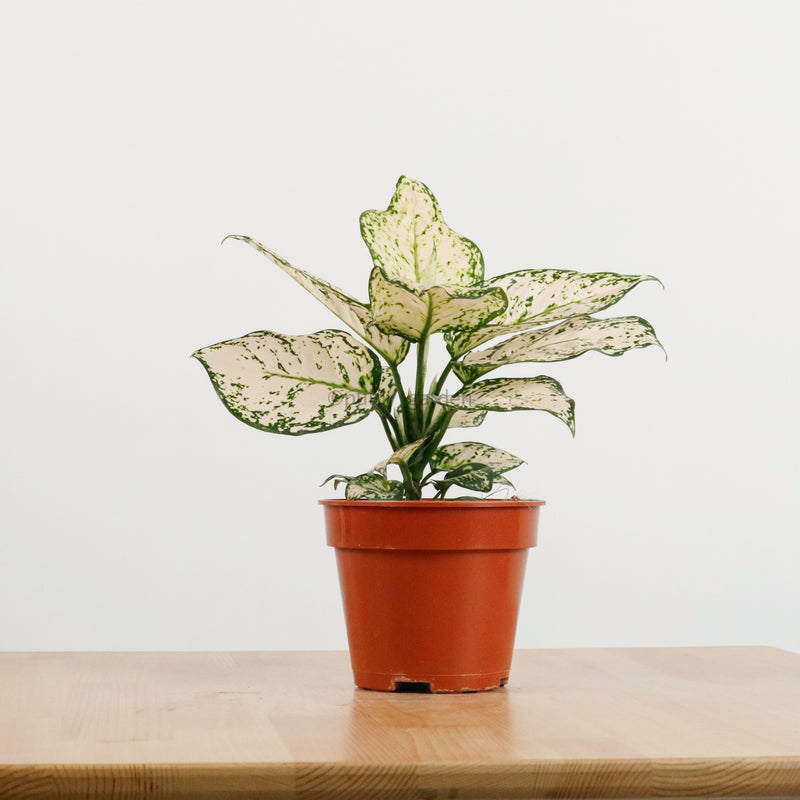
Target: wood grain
{"points": [[682, 722]]}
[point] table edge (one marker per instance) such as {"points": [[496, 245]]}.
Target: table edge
{"points": [[764, 776]]}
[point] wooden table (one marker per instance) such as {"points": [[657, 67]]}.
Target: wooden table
{"points": [[711, 722]]}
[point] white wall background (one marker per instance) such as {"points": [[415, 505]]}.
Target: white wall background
{"points": [[635, 136]]}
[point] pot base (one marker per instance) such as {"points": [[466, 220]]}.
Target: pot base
{"points": [[384, 682]]}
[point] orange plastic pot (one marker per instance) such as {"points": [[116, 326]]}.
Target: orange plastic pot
{"points": [[431, 589]]}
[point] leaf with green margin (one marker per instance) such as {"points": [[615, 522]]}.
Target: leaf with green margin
{"points": [[514, 394], [386, 389], [459, 454], [369, 486], [412, 243], [398, 309], [351, 311], [560, 342], [477, 477], [401, 455], [540, 296], [464, 418], [294, 384]]}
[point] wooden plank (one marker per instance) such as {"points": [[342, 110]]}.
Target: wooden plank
{"points": [[680, 722]]}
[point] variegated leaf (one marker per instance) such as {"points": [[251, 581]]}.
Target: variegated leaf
{"points": [[371, 489], [459, 454], [540, 296], [386, 389], [464, 418], [413, 312], [559, 342], [369, 486], [294, 384], [401, 455], [412, 243], [352, 312], [514, 394], [477, 477]]}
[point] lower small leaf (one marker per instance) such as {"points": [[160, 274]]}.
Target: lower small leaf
{"points": [[513, 394], [477, 477], [368, 486], [459, 454]]}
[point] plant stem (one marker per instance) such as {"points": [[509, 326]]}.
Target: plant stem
{"points": [[419, 389], [427, 477], [408, 419], [412, 488], [443, 424], [395, 427], [441, 493], [437, 434], [437, 389], [385, 421]]}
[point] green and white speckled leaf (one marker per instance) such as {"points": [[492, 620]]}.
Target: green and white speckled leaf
{"points": [[539, 296], [387, 389], [477, 477], [369, 486], [559, 342], [352, 312], [514, 394], [411, 242], [413, 312], [459, 454], [294, 384], [464, 418], [401, 455]]}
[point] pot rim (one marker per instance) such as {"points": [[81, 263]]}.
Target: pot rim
{"points": [[439, 525], [431, 503]]}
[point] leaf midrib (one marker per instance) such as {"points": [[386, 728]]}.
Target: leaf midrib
{"points": [[271, 374]]}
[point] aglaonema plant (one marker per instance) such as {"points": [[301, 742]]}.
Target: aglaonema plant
{"points": [[425, 280]]}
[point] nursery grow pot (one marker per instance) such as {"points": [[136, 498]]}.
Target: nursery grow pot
{"points": [[431, 589]]}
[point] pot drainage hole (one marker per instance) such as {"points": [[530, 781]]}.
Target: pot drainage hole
{"points": [[413, 687]]}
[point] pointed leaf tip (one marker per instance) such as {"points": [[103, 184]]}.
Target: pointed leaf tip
{"points": [[564, 340], [460, 454], [402, 240], [540, 296], [513, 394], [232, 236], [352, 312]]}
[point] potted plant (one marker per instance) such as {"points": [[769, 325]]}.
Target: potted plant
{"points": [[431, 583]]}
